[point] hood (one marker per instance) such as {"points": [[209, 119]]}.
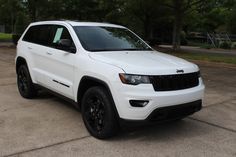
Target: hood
{"points": [[145, 62]]}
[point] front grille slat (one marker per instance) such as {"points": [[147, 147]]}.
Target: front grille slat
{"points": [[175, 82]]}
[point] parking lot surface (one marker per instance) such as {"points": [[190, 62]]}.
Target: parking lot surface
{"points": [[49, 126]]}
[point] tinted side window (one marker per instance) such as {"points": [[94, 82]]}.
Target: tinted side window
{"points": [[30, 35], [58, 33], [39, 35], [43, 36]]}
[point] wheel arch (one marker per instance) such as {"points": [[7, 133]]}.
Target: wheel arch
{"points": [[20, 61], [88, 82]]}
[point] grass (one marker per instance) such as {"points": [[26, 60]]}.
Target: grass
{"points": [[201, 45], [5, 37], [219, 58]]}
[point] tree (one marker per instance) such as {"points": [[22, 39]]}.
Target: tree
{"points": [[143, 15], [149, 18], [231, 21], [111, 10], [9, 10], [35, 8], [180, 8]]}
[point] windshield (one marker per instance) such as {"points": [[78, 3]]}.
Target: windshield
{"points": [[95, 38]]}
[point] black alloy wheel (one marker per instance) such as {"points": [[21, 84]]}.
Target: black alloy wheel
{"points": [[95, 113], [98, 113], [24, 83]]}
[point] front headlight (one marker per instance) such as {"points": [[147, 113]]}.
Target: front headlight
{"points": [[134, 79]]}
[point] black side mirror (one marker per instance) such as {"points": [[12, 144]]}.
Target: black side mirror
{"points": [[66, 45]]}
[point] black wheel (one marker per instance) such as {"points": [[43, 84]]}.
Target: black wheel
{"points": [[24, 82], [99, 114]]}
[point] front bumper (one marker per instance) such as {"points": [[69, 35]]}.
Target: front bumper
{"points": [[175, 112], [157, 100], [166, 114]]}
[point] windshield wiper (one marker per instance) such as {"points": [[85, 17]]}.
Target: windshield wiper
{"points": [[104, 50], [135, 49], [99, 50]]}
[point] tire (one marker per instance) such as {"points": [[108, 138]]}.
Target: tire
{"points": [[98, 113], [24, 83]]}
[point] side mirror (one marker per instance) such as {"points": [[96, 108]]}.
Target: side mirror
{"points": [[66, 45]]}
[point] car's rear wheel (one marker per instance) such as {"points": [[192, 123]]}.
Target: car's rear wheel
{"points": [[24, 83], [98, 113]]}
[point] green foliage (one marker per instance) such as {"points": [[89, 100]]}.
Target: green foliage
{"points": [[143, 16], [149, 18], [219, 58], [210, 17], [225, 45], [231, 22], [5, 37], [201, 45], [21, 22], [233, 45], [9, 10]]}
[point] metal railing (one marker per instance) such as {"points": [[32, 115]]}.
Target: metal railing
{"points": [[215, 39]]}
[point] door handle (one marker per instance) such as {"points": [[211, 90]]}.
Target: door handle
{"points": [[48, 53], [30, 48]]}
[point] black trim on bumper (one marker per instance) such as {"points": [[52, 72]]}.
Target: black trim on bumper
{"points": [[169, 113], [175, 112]]}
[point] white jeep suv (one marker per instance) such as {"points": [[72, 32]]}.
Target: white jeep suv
{"points": [[109, 72]]}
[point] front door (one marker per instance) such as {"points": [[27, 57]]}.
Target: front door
{"points": [[60, 65]]}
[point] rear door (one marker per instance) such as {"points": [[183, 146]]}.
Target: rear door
{"points": [[38, 38]]}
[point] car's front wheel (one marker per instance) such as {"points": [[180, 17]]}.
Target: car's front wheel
{"points": [[98, 113], [24, 83]]}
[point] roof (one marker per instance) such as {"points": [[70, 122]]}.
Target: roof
{"points": [[75, 23]]}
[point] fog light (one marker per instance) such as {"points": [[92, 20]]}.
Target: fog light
{"points": [[138, 103]]}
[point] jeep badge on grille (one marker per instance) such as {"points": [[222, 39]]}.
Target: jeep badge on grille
{"points": [[180, 71]]}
